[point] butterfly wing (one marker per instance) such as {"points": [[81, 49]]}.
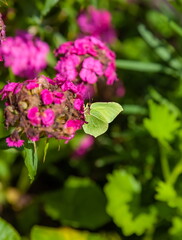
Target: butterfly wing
{"points": [[105, 111], [95, 126]]}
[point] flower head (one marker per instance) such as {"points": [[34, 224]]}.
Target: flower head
{"points": [[24, 54], [42, 110], [97, 23], [84, 62]]}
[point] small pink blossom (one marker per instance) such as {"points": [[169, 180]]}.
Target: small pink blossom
{"points": [[74, 125], [69, 86], [10, 87], [83, 46], [58, 97], [93, 64], [34, 116], [47, 96], [32, 84], [111, 74], [48, 117], [14, 143], [84, 146], [78, 104], [64, 48], [88, 76]]}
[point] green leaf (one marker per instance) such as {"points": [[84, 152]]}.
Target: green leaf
{"points": [[81, 203], [100, 115], [31, 159], [142, 66], [3, 144], [66, 233], [162, 49], [176, 229], [121, 191], [164, 52], [48, 5], [176, 27], [162, 123], [4, 2], [46, 233], [7, 232], [45, 150], [165, 192], [134, 109]]}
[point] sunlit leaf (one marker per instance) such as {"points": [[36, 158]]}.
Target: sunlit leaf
{"points": [[121, 191], [7, 232], [65, 233], [162, 123], [165, 192], [176, 229], [31, 159]]}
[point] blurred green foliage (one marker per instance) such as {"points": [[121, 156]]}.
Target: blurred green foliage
{"points": [[128, 185]]}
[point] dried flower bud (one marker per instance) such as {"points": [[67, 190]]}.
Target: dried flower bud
{"points": [[47, 112], [2, 34]]}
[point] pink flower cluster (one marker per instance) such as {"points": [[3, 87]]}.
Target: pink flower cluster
{"points": [[84, 62], [24, 54], [2, 34], [40, 108], [97, 23]]}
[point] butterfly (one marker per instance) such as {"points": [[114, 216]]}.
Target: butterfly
{"points": [[98, 116]]}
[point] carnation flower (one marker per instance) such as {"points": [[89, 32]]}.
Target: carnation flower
{"points": [[2, 34], [84, 62], [42, 110], [24, 54], [97, 23]]}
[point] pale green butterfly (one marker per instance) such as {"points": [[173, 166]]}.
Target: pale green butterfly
{"points": [[99, 116]]}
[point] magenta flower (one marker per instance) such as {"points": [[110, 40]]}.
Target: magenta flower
{"points": [[34, 116], [44, 111], [97, 23], [58, 97], [48, 117], [32, 84], [47, 96], [73, 125], [10, 87], [14, 143], [84, 62], [24, 54]]}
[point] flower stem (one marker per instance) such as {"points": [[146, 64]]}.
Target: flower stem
{"points": [[175, 173], [164, 162]]}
